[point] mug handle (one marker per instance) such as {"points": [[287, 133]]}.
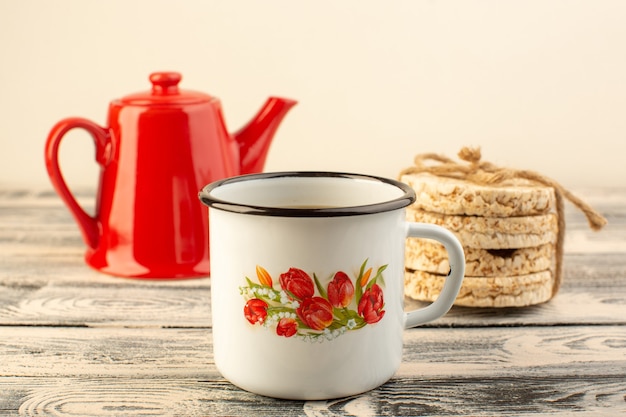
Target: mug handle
{"points": [[89, 226], [451, 287]]}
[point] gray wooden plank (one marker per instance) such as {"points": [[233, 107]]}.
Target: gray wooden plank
{"points": [[189, 307], [485, 396], [594, 292], [32, 217], [117, 304], [428, 352]]}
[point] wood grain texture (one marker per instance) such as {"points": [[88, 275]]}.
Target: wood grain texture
{"points": [[429, 352], [488, 396], [139, 371], [122, 305], [74, 342]]}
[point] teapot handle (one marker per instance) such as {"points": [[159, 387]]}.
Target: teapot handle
{"points": [[89, 226]]}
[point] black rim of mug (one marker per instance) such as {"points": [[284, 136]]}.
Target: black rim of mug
{"points": [[406, 199]]}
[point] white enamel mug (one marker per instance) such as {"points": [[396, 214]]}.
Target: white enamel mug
{"points": [[307, 281]]}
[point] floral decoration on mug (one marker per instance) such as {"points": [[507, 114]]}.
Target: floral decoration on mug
{"points": [[294, 308]]}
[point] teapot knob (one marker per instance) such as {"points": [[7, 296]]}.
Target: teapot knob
{"points": [[165, 83]]}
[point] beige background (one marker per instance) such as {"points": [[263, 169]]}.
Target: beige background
{"points": [[537, 84]]}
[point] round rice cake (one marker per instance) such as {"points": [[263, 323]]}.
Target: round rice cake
{"points": [[516, 291], [515, 197], [430, 256], [494, 232]]}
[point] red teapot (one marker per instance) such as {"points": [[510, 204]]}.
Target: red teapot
{"points": [[158, 150]]}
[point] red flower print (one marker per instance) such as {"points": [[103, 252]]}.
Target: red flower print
{"points": [[300, 306], [371, 305], [255, 311], [297, 283], [340, 290], [287, 327], [316, 313]]}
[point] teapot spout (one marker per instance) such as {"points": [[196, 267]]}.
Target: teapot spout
{"points": [[255, 137]]}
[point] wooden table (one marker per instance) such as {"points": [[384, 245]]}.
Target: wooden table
{"points": [[76, 342]]}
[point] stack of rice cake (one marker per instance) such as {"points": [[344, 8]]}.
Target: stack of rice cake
{"points": [[508, 232]]}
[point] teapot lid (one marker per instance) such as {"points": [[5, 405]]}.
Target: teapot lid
{"points": [[165, 91]]}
